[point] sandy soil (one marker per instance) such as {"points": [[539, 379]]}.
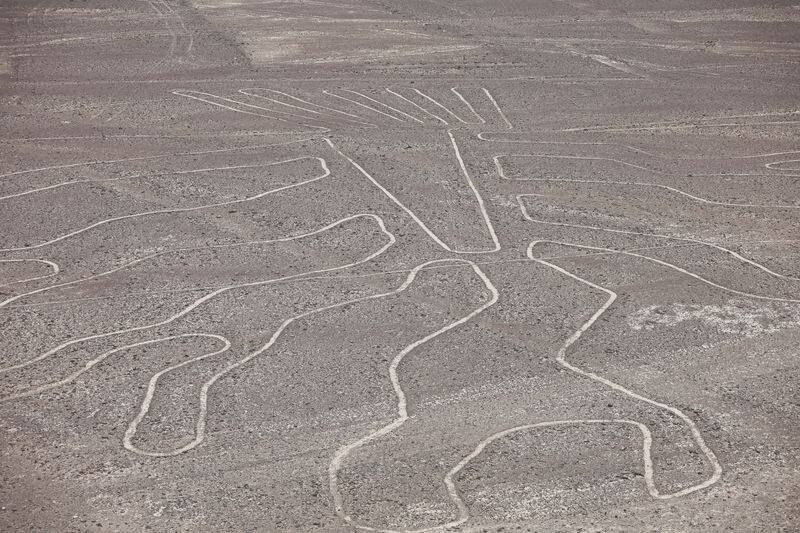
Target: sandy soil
{"points": [[384, 265]]}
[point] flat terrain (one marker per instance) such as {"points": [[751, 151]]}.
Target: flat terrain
{"points": [[399, 265]]}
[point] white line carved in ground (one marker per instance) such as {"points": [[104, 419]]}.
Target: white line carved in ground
{"points": [[402, 107], [203, 395], [338, 460]]}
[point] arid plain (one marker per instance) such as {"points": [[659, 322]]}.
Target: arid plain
{"points": [[399, 265]]}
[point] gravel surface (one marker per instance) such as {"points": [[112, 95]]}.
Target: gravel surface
{"points": [[399, 265]]}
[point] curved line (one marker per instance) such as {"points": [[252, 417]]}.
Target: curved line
{"points": [[100, 358], [772, 165], [168, 252], [463, 511], [684, 126], [477, 194], [51, 264], [398, 111], [674, 267], [287, 95], [584, 158], [285, 324], [408, 211], [447, 110], [139, 176], [326, 115], [501, 173], [481, 120], [372, 274], [483, 136], [365, 106], [728, 251], [144, 158], [612, 296], [342, 453], [200, 424], [325, 174], [203, 299]]}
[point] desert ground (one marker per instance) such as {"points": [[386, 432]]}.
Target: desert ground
{"points": [[399, 265]]}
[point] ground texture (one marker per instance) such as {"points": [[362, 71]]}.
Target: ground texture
{"points": [[399, 265]]}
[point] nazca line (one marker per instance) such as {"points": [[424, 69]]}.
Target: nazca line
{"points": [[394, 199], [365, 106], [375, 101], [502, 174], [684, 126], [170, 55], [668, 265], [201, 421], [200, 425], [561, 359], [145, 175], [315, 109], [772, 165], [481, 120], [484, 134], [646, 169], [612, 296], [326, 172], [684, 123], [202, 416], [205, 298], [728, 251], [415, 218], [400, 96], [345, 276], [204, 97], [306, 102], [402, 412], [463, 511], [53, 266], [136, 176], [100, 358], [436, 239], [309, 278], [454, 90], [262, 111], [647, 438], [148, 157]]}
